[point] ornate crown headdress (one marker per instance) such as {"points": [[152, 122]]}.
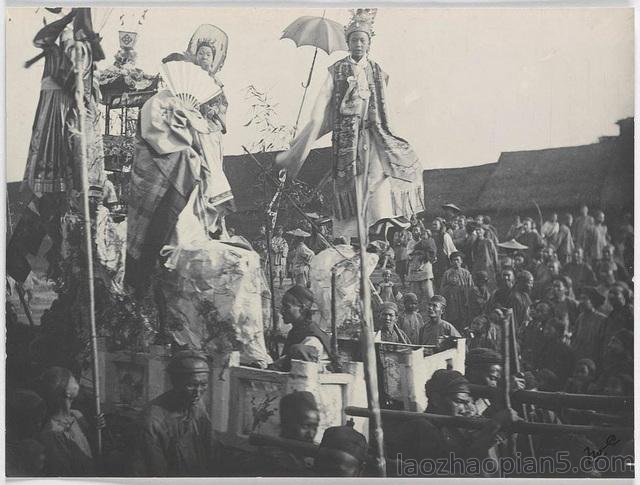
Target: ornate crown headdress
{"points": [[207, 43], [361, 21], [213, 37]]}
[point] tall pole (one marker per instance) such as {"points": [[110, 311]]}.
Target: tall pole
{"points": [[369, 353], [507, 378], [334, 312], [81, 56], [274, 314], [516, 360]]}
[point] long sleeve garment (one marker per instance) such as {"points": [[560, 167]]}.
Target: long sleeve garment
{"points": [[175, 442], [457, 287], [352, 104]]}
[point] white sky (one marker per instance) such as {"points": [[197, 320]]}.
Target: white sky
{"points": [[465, 84]]}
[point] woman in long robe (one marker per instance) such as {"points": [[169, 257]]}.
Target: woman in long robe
{"points": [[484, 257], [457, 286], [49, 167]]}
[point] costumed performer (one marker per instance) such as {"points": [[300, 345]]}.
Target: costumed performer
{"points": [[353, 105], [179, 148]]}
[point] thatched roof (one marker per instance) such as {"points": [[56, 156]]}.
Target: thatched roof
{"points": [[599, 175], [459, 186], [617, 188], [556, 177]]}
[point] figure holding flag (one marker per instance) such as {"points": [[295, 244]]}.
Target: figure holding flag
{"points": [[353, 105]]}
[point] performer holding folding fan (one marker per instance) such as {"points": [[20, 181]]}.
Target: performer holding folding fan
{"points": [[178, 162]]}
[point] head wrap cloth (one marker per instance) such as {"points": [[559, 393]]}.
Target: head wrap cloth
{"points": [[188, 362], [388, 305], [446, 382], [296, 404], [481, 356], [302, 295]]}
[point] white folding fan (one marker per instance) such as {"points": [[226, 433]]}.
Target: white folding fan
{"points": [[189, 83]]}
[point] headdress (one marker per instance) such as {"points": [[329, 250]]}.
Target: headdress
{"points": [[298, 233], [481, 276], [444, 381], [188, 362], [295, 404], [388, 305], [589, 364], [453, 207], [566, 281], [302, 294], [410, 297], [347, 439], [625, 337], [592, 293], [361, 21], [213, 37], [523, 274], [482, 356], [438, 299]]}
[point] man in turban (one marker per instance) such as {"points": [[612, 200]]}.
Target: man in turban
{"points": [[299, 419], [176, 437], [305, 341], [390, 332], [436, 329], [342, 453], [448, 394], [483, 367]]}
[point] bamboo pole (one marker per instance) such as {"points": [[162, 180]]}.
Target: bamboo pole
{"points": [[506, 341], [274, 316], [334, 313], [507, 380], [479, 423], [81, 55], [369, 351], [578, 401], [560, 399], [516, 357]]}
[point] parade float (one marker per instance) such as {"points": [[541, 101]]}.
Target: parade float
{"points": [[219, 301], [124, 89]]}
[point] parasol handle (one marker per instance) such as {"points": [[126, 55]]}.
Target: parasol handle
{"points": [[313, 63], [305, 86]]}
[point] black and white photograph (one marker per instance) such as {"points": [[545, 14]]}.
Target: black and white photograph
{"points": [[295, 241]]}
